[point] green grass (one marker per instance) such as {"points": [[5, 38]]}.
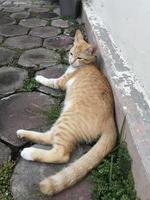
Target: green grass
{"points": [[30, 85], [53, 114], [5, 175], [51, 7], [112, 179], [63, 56], [70, 19]]}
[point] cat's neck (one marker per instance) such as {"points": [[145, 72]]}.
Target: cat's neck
{"points": [[71, 69]]}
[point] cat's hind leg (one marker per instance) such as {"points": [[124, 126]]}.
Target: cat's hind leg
{"points": [[58, 154], [37, 137]]}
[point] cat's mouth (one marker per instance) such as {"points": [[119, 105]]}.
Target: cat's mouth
{"points": [[72, 62]]}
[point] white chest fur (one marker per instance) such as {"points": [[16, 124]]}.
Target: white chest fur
{"points": [[69, 83], [70, 69], [68, 103]]}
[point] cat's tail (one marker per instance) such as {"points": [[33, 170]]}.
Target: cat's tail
{"points": [[78, 169]]}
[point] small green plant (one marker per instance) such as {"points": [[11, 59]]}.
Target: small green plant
{"points": [[53, 113], [5, 175], [49, 23], [63, 57], [51, 7], [30, 85], [112, 179], [70, 19]]}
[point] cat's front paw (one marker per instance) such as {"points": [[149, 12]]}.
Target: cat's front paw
{"points": [[26, 153], [39, 78], [20, 133]]}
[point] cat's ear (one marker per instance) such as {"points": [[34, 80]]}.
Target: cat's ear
{"points": [[78, 36], [91, 50]]}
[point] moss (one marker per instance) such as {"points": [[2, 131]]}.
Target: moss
{"points": [[5, 175], [70, 19], [51, 7], [53, 114], [49, 23], [113, 179], [30, 85], [63, 57]]}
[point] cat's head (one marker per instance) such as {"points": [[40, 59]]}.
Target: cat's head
{"points": [[82, 53]]}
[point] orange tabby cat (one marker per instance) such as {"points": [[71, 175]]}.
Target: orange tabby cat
{"points": [[86, 116]]}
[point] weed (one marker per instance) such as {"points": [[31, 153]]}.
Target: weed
{"points": [[30, 85], [63, 57], [49, 23], [5, 175], [113, 179], [70, 19], [51, 7], [53, 113]]}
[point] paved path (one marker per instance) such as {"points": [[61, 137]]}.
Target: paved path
{"points": [[34, 39]]}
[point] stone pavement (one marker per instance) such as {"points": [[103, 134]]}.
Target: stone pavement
{"points": [[34, 39]]}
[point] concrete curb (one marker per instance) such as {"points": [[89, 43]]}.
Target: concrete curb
{"points": [[130, 99]]}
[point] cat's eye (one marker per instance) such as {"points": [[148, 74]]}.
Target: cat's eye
{"points": [[71, 54], [79, 58]]}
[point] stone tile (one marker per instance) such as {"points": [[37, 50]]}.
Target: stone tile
{"points": [[45, 32], [38, 57], [51, 72], [45, 15], [33, 22], [70, 31], [29, 174], [7, 3], [6, 55], [23, 42], [20, 15], [57, 11], [6, 20], [5, 153], [1, 1], [11, 79], [38, 9], [60, 23], [13, 30], [13, 9], [35, 6], [58, 42], [53, 92], [23, 111], [1, 39]]}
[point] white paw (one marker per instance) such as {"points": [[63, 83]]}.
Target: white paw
{"points": [[39, 78], [20, 133], [26, 153]]}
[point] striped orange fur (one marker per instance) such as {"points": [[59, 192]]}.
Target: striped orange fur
{"points": [[87, 115]]}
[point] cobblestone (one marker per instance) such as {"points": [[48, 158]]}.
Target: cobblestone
{"points": [[38, 57], [33, 22], [45, 32], [20, 15], [60, 23], [11, 79], [6, 55], [13, 30], [23, 42]]}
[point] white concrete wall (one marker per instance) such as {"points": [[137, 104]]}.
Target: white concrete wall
{"points": [[128, 22]]}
